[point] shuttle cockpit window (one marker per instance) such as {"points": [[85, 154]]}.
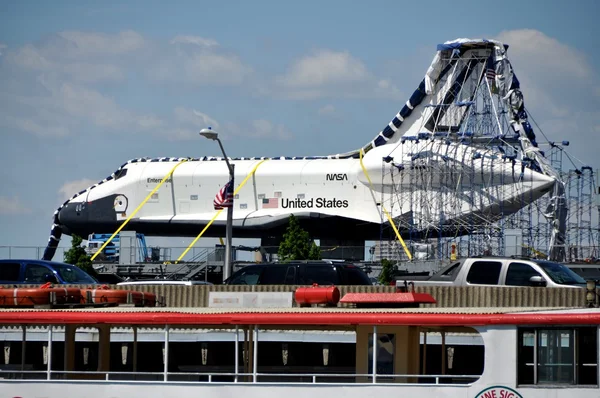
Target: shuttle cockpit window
{"points": [[120, 174]]}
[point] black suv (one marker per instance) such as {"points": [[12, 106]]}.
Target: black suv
{"points": [[300, 273]]}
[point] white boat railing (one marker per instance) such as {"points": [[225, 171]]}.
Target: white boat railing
{"points": [[251, 378]]}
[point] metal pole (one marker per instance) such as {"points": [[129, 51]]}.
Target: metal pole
{"points": [[443, 352], [49, 351], [374, 354], [23, 347], [135, 348], [166, 368], [255, 354], [237, 352], [229, 231], [227, 268]]}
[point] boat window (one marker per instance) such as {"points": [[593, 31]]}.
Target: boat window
{"points": [[273, 275], [9, 272], [518, 274], [386, 346], [558, 356], [484, 273]]}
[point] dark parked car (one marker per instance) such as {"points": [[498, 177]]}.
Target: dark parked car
{"points": [[300, 273], [34, 272]]}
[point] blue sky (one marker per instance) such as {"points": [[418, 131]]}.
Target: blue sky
{"points": [[87, 85]]}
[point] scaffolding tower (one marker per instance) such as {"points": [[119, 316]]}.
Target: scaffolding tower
{"points": [[430, 188]]}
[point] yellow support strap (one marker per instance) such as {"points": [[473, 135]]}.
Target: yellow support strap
{"points": [[389, 218], [219, 212], [138, 208]]}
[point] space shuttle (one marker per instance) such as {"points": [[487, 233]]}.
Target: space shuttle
{"points": [[460, 153]]}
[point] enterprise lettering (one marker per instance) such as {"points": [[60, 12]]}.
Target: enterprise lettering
{"points": [[318, 203], [152, 180]]}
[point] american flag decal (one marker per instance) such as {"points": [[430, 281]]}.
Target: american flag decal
{"points": [[490, 70], [224, 197], [270, 203]]}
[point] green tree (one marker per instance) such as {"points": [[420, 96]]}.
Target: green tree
{"points": [[388, 269], [77, 256], [297, 244], [315, 252]]}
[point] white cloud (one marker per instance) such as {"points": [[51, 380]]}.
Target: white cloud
{"points": [[57, 61], [93, 43], [255, 129], [35, 126], [194, 117], [190, 122], [327, 73], [12, 206], [551, 57], [30, 57], [327, 110], [559, 88], [70, 188], [90, 73], [215, 69], [206, 120], [201, 64], [62, 108], [258, 129], [324, 67], [197, 40]]}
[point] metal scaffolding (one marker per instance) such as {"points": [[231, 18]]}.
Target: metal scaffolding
{"points": [[432, 191]]}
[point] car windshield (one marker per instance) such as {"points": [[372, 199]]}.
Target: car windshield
{"points": [[72, 274], [561, 274]]}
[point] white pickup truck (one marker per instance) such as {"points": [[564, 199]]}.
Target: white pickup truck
{"points": [[499, 271]]}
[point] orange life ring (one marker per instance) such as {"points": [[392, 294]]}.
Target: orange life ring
{"points": [[66, 295], [24, 296], [148, 299], [103, 295], [43, 295]]}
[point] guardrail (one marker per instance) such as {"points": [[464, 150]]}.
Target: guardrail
{"points": [[232, 378], [373, 252]]}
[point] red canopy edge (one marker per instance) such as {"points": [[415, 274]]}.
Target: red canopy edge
{"points": [[389, 298], [279, 318]]}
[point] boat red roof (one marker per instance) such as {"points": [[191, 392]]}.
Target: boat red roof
{"points": [[302, 316]]}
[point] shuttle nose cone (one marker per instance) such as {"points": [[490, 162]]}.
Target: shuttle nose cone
{"points": [[73, 213], [84, 218]]}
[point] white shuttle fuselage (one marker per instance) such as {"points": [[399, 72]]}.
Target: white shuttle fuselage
{"points": [[322, 193]]}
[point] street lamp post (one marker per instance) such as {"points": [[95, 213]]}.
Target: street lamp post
{"points": [[227, 268]]}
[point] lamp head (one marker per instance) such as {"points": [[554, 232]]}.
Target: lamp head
{"points": [[208, 133]]}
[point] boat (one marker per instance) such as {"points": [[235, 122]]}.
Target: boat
{"points": [[518, 353]]}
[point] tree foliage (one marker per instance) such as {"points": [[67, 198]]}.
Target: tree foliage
{"points": [[297, 244], [77, 256], [388, 269]]}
